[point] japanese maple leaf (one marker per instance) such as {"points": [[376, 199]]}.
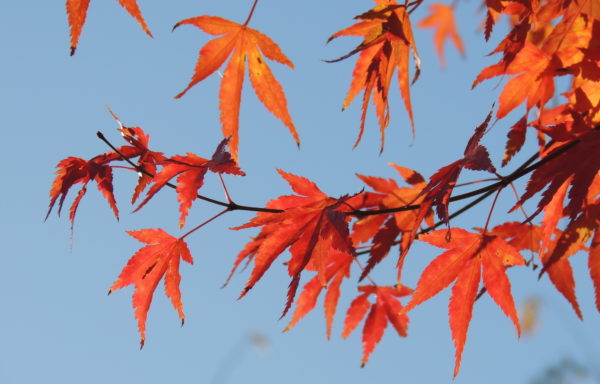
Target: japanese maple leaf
{"points": [[441, 184], [386, 309], [534, 83], [578, 165], [568, 242], [147, 160], [441, 18], [75, 170], [312, 226], [241, 43], [516, 139], [190, 171], [383, 229], [77, 12], [470, 257], [521, 236], [336, 271], [388, 40], [160, 258]]}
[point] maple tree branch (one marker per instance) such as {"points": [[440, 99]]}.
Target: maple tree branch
{"points": [[522, 170], [527, 167], [230, 205]]}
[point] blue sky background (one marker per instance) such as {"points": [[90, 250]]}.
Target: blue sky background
{"points": [[59, 326]]}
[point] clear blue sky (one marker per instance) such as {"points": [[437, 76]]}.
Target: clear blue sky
{"points": [[58, 325]]}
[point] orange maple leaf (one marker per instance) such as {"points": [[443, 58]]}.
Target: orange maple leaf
{"points": [[241, 43], [385, 309], [534, 83], [311, 225], [388, 40], [77, 12], [470, 257], [383, 229], [442, 19], [147, 267], [190, 171]]}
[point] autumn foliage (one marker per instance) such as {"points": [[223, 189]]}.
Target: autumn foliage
{"points": [[325, 240]]}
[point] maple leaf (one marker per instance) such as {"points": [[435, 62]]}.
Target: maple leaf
{"points": [[383, 229], [77, 12], [516, 139], [385, 309], [190, 171], [534, 83], [388, 40], [160, 258], [521, 236], [337, 270], [241, 43], [579, 167], [470, 257], [75, 170], [568, 242], [441, 17], [441, 184], [313, 226], [148, 160]]}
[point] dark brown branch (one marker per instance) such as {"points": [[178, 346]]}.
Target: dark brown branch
{"points": [[483, 192], [231, 205], [524, 169]]}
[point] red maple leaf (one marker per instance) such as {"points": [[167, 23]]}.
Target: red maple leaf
{"points": [[147, 161], [77, 12], [385, 309], [75, 170], [336, 271], [388, 40], [578, 167], [441, 184], [470, 257], [241, 43], [311, 225], [190, 171], [557, 251], [160, 258]]}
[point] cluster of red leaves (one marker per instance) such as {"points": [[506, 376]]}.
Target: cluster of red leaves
{"points": [[551, 39], [388, 41], [160, 258], [324, 235]]}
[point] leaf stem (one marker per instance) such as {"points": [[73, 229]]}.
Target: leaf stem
{"points": [[487, 221], [251, 13], [203, 224], [229, 201]]}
